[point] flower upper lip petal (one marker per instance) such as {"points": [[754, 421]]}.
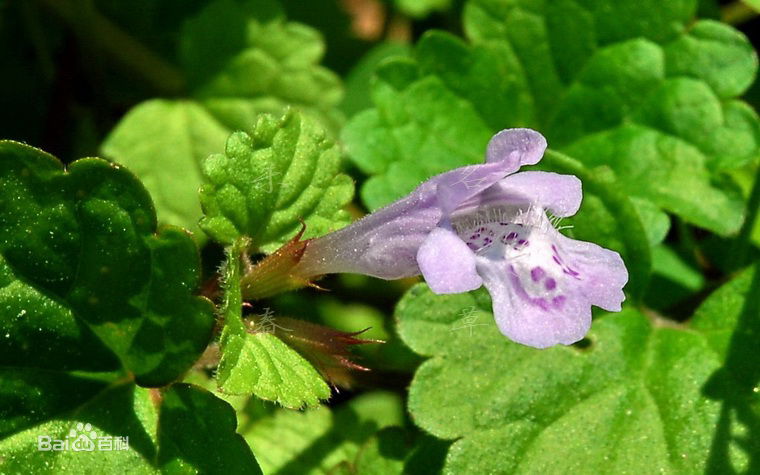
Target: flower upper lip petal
{"points": [[527, 144], [385, 243]]}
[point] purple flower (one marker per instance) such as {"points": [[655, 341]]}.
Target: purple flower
{"points": [[486, 225]]}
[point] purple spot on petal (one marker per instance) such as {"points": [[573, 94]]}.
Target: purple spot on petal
{"points": [[511, 236], [542, 303], [550, 284], [521, 241], [556, 259], [537, 274], [559, 300]]}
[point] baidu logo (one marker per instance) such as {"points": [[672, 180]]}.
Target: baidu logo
{"points": [[82, 438]]}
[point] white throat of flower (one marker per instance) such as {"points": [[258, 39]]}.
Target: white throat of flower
{"points": [[521, 242]]}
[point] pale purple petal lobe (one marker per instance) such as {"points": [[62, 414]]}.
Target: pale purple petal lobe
{"points": [[455, 187], [542, 283], [601, 272], [531, 319], [561, 194], [523, 146], [507, 152], [447, 264]]}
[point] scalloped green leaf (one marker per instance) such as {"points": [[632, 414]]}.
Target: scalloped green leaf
{"points": [[241, 59], [592, 77], [164, 143], [197, 434], [639, 395], [119, 411], [82, 262], [269, 179], [260, 363], [358, 79], [92, 299], [125, 428], [661, 168]]}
